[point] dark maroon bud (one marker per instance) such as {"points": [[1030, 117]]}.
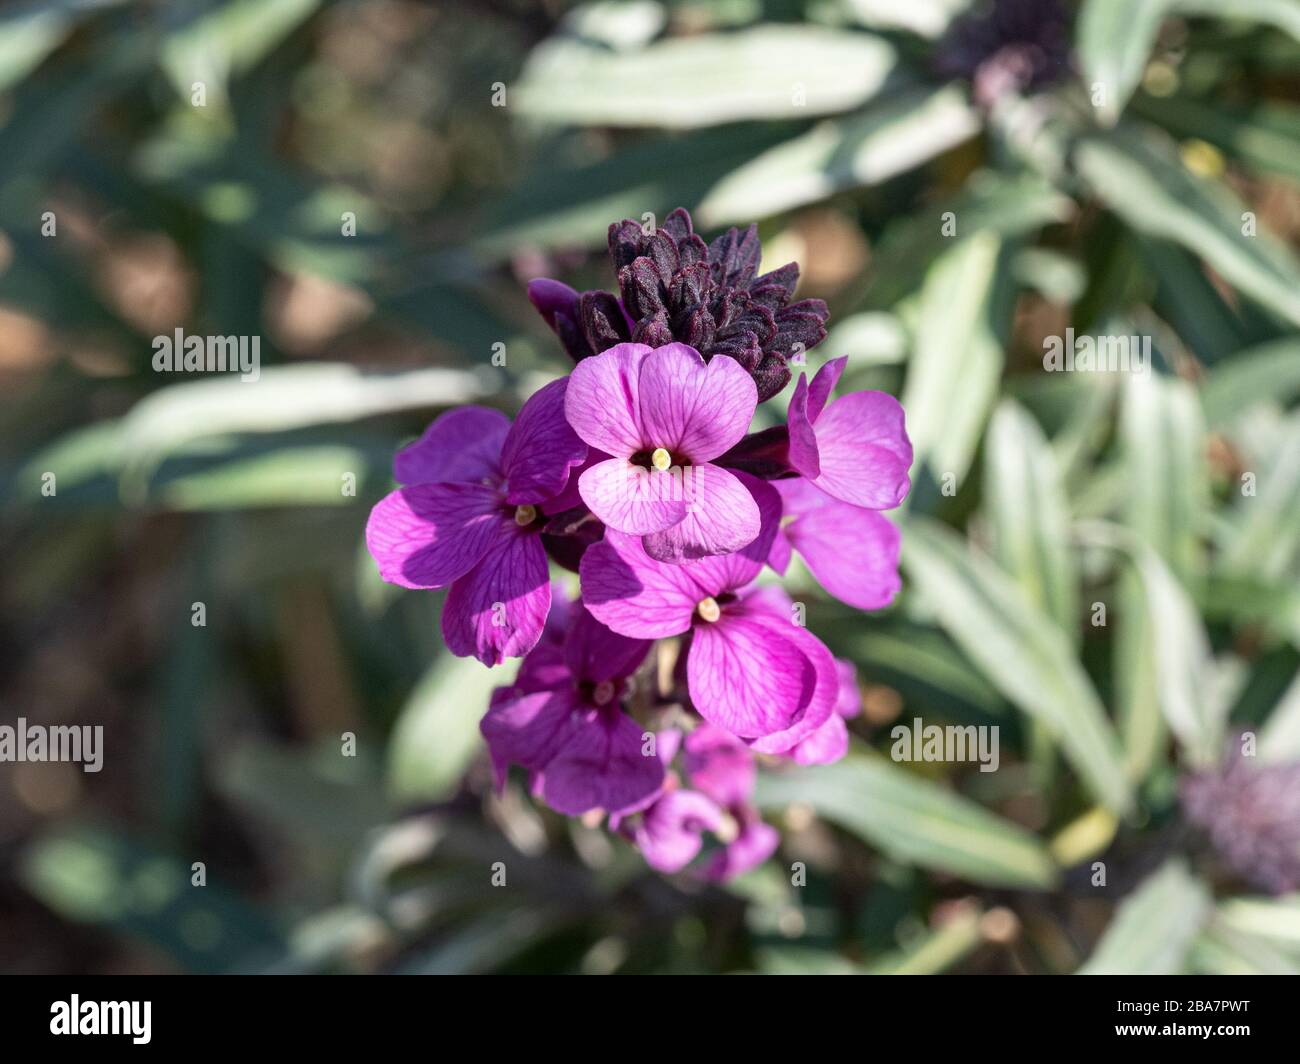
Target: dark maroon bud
{"points": [[603, 321]]}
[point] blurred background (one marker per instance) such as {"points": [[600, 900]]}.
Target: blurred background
{"points": [[1103, 565]]}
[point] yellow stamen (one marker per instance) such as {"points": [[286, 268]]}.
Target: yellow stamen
{"points": [[661, 459], [525, 515], [709, 610]]}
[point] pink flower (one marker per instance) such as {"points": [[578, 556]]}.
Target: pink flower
{"points": [[750, 669], [663, 414], [563, 720], [478, 493]]}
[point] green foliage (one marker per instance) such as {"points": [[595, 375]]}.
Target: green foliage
{"points": [[1106, 566]]}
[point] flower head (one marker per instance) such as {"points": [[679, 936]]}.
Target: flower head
{"points": [[1008, 46], [478, 491], [661, 414], [674, 286], [1251, 813], [563, 720]]}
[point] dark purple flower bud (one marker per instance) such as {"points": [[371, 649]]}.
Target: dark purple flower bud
{"points": [[653, 331], [603, 321], [676, 288], [558, 305], [1251, 813], [1008, 46]]}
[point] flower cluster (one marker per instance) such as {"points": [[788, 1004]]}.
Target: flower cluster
{"points": [[1251, 813], [1008, 47], [652, 698]]}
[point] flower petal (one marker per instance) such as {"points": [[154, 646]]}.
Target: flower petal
{"points": [[823, 384], [670, 834], [602, 767], [720, 517], [540, 448], [428, 535], [632, 499], [633, 594], [853, 552], [602, 402], [460, 446], [720, 765], [756, 842], [527, 729], [848, 703], [730, 572], [695, 409], [822, 705], [748, 676], [864, 450], [595, 653], [827, 744], [498, 609], [802, 450]]}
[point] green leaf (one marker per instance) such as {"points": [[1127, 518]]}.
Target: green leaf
{"points": [[96, 877], [1007, 204], [926, 668], [1145, 183], [1020, 649], [1267, 373], [894, 136], [1154, 927], [1220, 950], [437, 736], [230, 38], [957, 359], [1261, 536], [927, 18], [1280, 738], [1163, 437], [937, 950], [1272, 920], [1284, 14], [915, 821], [1188, 683], [569, 206], [26, 38], [175, 419], [1265, 136], [1028, 516], [781, 72], [1115, 37]]}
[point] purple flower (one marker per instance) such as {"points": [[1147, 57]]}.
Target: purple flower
{"points": [[670, 833], [662, 414], [1008, 46], [717, 799], [563, 720], [721, 767], [749, 668], [1251, 813], [853, 457], [477, 493], [676, 287], [855, 449]]}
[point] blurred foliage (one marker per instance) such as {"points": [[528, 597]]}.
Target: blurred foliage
{"points": [[1120, 201]]}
